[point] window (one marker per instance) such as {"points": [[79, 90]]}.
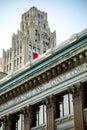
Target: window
{"points": [[21, 122], [44, 26], [35, 40], [40, 16], [17, 42], [18, 51], [16, 125], [10, 66], [27, 31], [22, 27], [38, 50], [36, 32], [21, 49], [4, 68], [10, 55], [39, 37], [5, 59], [39, 115], [15, 52], [64, 105], [26, 23], [45, 44], [15, 63], [21, 59], [30, 48], [34, 49], [29, 58], [7, 68]]}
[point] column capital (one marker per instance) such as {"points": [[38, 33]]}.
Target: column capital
{"points": [[7, 119], [25, 110], [49, 101], [76, 90]]}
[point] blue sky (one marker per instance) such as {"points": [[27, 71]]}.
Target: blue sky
{"points": [[67, 17]]}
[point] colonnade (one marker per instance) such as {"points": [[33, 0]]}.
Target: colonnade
{"points": [[10, 121]]}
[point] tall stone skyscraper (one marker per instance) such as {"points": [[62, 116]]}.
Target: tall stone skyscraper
{"points": [[34, 36]]}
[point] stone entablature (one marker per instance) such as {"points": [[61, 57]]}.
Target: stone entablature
{"points": [[56, 85]]}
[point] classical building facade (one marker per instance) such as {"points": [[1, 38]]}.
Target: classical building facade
{"points": [[50, 93], [34, 36]]}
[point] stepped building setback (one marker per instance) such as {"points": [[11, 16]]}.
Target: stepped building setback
{"points": [[34, 36]]}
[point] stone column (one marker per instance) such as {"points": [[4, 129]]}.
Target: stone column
{"points": [[27, 117], [78, 104], [50, 111], [0, 123], [7, 122]]}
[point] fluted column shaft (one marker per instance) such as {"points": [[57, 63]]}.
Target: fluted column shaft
{"points": [[50, 111], [27, 117], [78, 104]]}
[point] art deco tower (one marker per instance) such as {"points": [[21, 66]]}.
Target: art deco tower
{"points": [[34, 36]]}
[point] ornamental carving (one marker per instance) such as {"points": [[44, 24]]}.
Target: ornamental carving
{"points": [[30, 83], [25, 110], [76, 90], [49, 101], [53, 71]]}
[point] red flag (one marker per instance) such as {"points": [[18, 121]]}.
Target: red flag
{"points": [[34, 55]]}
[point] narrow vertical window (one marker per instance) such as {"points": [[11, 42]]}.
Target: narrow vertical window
{"points": [[30, 48], [10, 55], [14, 52], [21, 59], [64, 105], [4, 68], [21, 49], [39, 115], [38, 50], [29, 58], [15, 63], [10, 66]]}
